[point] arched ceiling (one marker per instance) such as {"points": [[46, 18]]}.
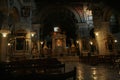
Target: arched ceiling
{"points": [[58, 15], [63, 17]]}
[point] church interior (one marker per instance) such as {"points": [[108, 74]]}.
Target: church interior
{"points": [[62, 29]]}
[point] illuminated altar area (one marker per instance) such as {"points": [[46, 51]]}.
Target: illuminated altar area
{"points": [[58, 42]]}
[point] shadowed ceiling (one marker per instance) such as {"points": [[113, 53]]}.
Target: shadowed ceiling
{"points": [[57, 16], [62, 17]]}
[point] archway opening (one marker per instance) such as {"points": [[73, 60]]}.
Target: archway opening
{"points": [[62, 18]]}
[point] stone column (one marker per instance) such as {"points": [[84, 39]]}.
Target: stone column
{"points": [[102, 32], [83, 34], [37, 29], [4, 53], [97, 19]]}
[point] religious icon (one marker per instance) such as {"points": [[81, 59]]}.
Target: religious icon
{"points": [[59, 42]]}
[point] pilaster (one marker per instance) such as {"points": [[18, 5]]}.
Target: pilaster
{"points": [[4, 52], [101, 34]]}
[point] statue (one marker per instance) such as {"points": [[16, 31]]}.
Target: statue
{"points": [[72, 43], [45, 45], [73, 48], [35, 50], [45, 49]]}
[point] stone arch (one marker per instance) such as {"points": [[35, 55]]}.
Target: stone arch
{"points": [[107, 13], [43, 13], [112, 18], [71, 31], [15, 14], [75, 12]]}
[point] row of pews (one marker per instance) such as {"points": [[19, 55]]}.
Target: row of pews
{"points": [[35, 69]]}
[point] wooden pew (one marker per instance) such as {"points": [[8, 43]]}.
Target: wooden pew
{"points": [[47, 76], [33, 66]]}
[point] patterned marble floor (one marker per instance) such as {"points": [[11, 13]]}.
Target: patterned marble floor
{"points": [[98, 72]]}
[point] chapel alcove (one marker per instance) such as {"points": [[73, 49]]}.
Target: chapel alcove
{"points": [[58, 42]]}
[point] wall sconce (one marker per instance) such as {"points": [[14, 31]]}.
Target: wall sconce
{"points": [[77, 41], [41, 42], [96, 34], [91, 43], [32, 34], [115, 41], [5, 32], [9, 44]]}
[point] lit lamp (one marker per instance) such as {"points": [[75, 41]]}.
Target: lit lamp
{"points": [[41, 42], [77, 41], [9, 44], [96, 34], [5, 32], [32, 34], [91, 43], [115, 41]]}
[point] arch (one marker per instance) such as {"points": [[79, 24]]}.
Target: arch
{"points": [[71, 14], [75, 12], [15, 14], [112, 18], [107, 14], [46, 11]]}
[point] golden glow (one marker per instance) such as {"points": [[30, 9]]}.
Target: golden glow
{"points": [[77, 42], [4, 32], [96, 34], [59, 43], [94, 72], [9, 44], [91, 43], [115, 41], [41, 42], [32, 34]]}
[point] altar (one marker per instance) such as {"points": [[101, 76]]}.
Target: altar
{"points": [[58, 42]]}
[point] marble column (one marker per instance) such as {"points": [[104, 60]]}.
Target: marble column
{"points": [[102, 33], [4, 53], [83, 34]]}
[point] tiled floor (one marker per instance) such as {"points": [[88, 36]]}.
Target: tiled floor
{"points": [[98, 72]]}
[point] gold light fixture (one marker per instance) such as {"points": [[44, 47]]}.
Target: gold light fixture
{"points": [[32, 34], [91, 43], [115, 41], [41, 42], [77, 41], [96, 34], [5, 31]]}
